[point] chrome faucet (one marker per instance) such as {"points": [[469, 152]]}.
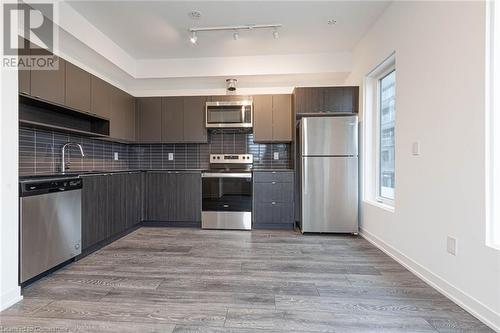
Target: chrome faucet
{"points": [[63, 153]]}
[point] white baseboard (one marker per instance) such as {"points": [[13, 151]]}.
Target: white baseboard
{"points": [[10, 298], [462, 299]]}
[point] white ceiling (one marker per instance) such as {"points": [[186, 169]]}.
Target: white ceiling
{"points": [[159, 29]]}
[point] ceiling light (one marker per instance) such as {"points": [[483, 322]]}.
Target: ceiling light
{"points": [[231, 85], [276, 34], [332, 22], [236, 35], [193, 39]]}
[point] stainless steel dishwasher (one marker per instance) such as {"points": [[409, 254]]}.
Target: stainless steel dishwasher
{"points": [[51, 224]]}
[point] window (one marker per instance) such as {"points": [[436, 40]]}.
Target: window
{"points": [[379, 163], [493, 124], [386, 153]]}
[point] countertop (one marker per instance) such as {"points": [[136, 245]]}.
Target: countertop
{"points": [[75, 174]]}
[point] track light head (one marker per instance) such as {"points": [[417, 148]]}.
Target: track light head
{"points": [[276, 34], [193, 39], [236, 35]]}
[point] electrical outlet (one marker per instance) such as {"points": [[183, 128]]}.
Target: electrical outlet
{"points": [[170, 156], [415, 148], [276, 156], [116, 156], [451, 245]]}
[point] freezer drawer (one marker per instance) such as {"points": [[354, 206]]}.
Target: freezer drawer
{"points": [[329, 194], [329, 136]]}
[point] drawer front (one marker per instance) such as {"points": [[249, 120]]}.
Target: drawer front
{"points": [[274, 191], [268, 213], [273, 176]]}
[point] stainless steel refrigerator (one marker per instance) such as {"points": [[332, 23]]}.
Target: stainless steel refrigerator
{"points": [[328, 172]]}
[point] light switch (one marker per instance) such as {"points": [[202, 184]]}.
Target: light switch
{"points": [[415, 148], [170, 156], [276, 156], [116, 156], [451, 245]]}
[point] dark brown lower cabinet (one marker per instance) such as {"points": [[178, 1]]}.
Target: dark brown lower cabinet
{"points": [[95, 210], [111, 203], [173, 196], [273, 204]]}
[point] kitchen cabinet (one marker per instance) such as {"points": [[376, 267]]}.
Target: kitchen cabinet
{"points": [[194, 119], [24, 73], [183, 119], [77, 88], [95, 210], [123, 117], [272, 118], [49, 85], [149, 119], [100, 97], [326, 99], [273, 203], [172, 121], [173, 196], [111, 204], [263, 118]]}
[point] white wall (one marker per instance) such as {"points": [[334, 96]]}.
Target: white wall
{"points": [[10, 292], [440, 63]]}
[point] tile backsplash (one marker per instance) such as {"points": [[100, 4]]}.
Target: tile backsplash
{"points": [[40, 152]]}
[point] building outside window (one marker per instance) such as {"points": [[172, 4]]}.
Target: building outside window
{"points": [[387, 110]]}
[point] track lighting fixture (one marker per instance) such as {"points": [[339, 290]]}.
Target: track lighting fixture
{"points": [[235, 29], [193, 39]]}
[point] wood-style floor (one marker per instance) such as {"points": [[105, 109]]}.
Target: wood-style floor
{"points": [[187, 280]]}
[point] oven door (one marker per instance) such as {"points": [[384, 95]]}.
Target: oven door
{"points": [[226, 201], [229, 114]]}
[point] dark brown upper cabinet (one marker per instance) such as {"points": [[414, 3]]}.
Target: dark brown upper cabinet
{"points": [[194, 119], [149, 119], [172, 119], [326, 100], [183, 119], [263, 118], [123, 117], [49, 85], [78, 88], [24, 73], [272, 118], [100, 97]]}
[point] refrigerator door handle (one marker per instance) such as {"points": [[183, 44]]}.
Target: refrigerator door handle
{"points": [[304, 173]]}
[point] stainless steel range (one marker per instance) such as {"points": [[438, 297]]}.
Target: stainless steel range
{"points": [[227, 192]]}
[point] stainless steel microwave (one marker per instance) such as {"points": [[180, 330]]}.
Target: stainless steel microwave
{"points": [[229, 114]]}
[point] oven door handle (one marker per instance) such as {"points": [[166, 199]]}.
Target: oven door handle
{"points": [[225, 175]]}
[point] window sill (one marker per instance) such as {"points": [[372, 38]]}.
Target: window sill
{"points": [[494, 246], [390, 209]]}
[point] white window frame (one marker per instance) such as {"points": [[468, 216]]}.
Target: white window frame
{"points": [[378, 197], [372, 135], [492, 126]]}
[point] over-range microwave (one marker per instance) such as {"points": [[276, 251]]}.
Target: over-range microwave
{"points": [[229, 114]]}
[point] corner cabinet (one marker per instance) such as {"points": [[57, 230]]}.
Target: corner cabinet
{"points": [[171, 119], [111, 204], [272, 118]]}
